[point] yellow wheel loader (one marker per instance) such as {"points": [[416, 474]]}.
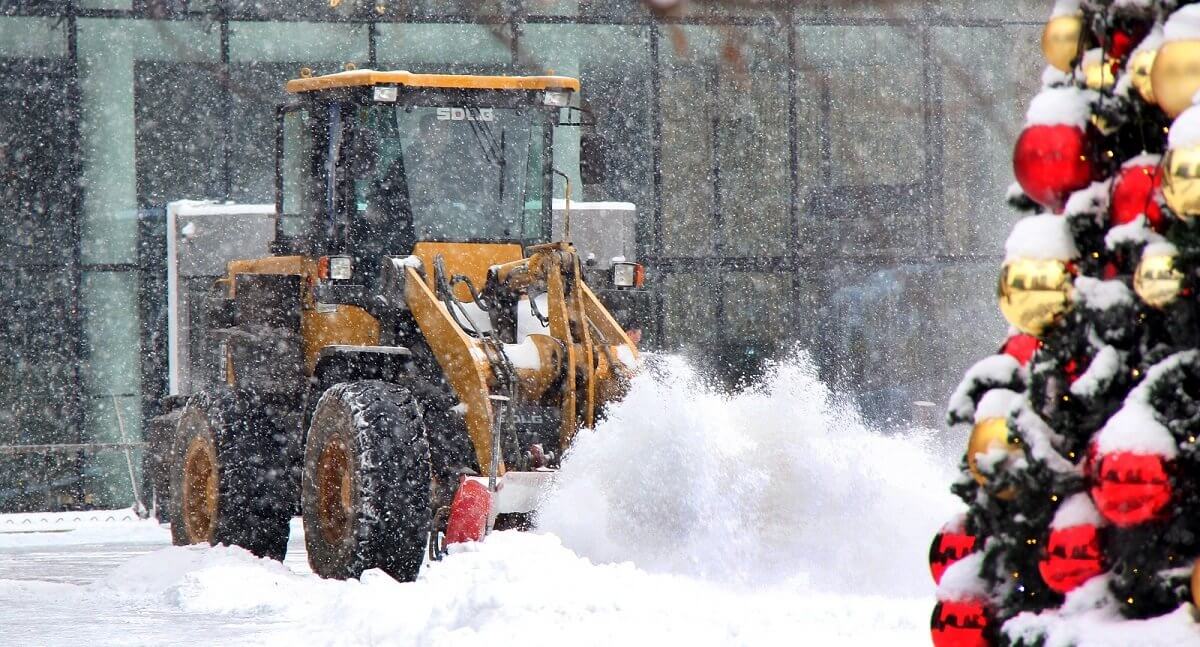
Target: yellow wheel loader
{"points": [[410, 363]]}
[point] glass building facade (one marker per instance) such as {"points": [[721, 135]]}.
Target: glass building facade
{"points": [[820, 173]]}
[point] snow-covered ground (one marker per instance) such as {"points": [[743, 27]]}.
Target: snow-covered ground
{"points": [[689, 517]]}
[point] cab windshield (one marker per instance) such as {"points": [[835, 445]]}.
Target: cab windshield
{"points": [[450, 173]]}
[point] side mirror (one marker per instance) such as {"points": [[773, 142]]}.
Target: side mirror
{"points": [[593, 160]]}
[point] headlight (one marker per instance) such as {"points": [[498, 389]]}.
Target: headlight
{"points": [[387, 93], [337, 268], [627, 275], [557, 98]]}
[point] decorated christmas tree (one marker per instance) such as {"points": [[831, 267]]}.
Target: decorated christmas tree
{"points": [[1082, 470]]}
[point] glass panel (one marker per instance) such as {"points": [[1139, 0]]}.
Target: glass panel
{"points": [[178, 132], [110, 333], [106, 4], [446, 173], [893, 9], [689, 307], [331, 10], [613, 67], [266, 56], [37, 183], [1036, 10], [977, 132], [37, 365], [32, 37], [725, 157], [299, 180], [861, 139], [445, 49], [109, 52], [758, 306], [618, 10]]}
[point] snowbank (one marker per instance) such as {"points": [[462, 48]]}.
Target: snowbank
{"points": [[78, 528]]}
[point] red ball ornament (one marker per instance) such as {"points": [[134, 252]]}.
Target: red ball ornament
{"points": [[1133, 195], [1130, 488], [1124, 40], [960, 623], [1072, 557], [1050, 162], [1020, 347], [951, 544]]}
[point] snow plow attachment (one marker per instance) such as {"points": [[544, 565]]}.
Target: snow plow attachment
{"points": [[561, 358]]}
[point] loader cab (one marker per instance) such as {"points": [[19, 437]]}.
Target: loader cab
{"points": [[368, 164]]}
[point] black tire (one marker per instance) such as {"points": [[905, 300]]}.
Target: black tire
{"points": [[366, 488], [156, 464], [229, 476]]}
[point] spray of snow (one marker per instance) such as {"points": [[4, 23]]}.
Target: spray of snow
{"points": [[776, 483]]}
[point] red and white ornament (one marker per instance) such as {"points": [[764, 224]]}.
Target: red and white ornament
{"points": [[962, 616], [960, 623], [1130, 474], [1054, 155], [1131, 489], [1020, 347], [1072, 553], [951, 544], [1051, 162], [1135, 190]]}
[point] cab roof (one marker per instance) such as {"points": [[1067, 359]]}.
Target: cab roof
{"points": [[363, 78]]}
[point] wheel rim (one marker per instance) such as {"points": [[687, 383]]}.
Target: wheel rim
{"points": [[199, 490], [333, 492]]}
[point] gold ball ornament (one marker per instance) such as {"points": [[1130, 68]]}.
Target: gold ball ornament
{"points": [[1175, 75], [1181, 181], [1034, 293], [1060, 41], [987, 435], [1156, 281], [1139, 73], [1098, 74]]}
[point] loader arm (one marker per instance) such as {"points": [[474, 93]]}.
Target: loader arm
{"points": [[465, 368]]}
